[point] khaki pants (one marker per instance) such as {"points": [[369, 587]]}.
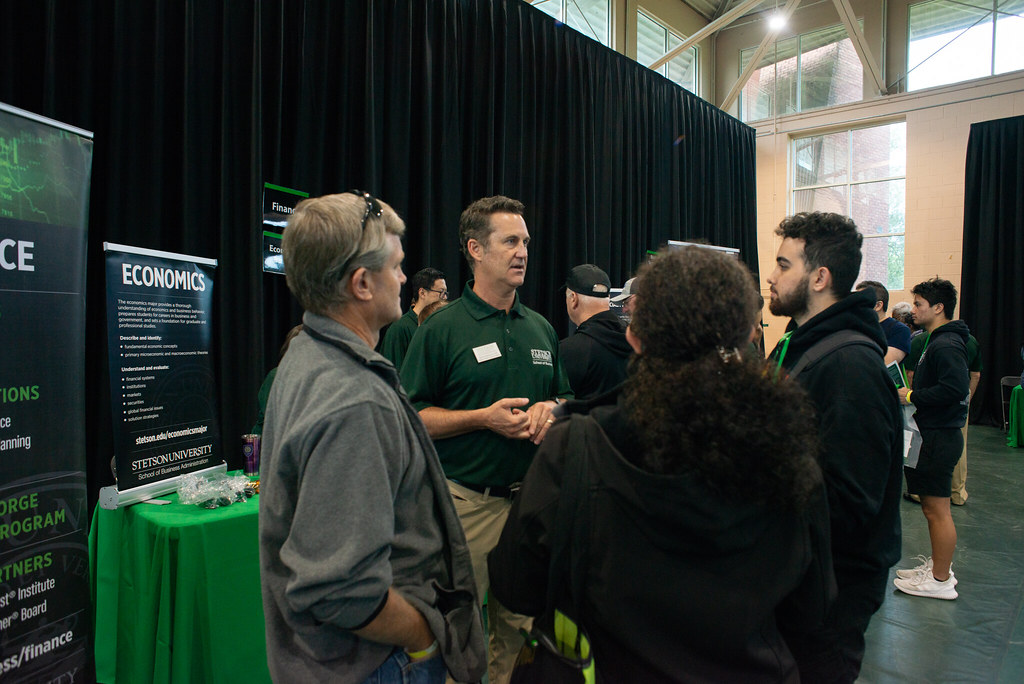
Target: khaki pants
{"points": [[483, 518], [959, 494]]}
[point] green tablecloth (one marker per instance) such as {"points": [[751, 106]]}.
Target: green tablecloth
{"points": [[177, 594], [1016, 436]]}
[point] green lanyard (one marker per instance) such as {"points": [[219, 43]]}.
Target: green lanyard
{"points": [[782, 354]]}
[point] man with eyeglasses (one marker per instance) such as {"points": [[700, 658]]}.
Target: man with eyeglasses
{"points": [[427, 286], [364, 566], [484, 373]]}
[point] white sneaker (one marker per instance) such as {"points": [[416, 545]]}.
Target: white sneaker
{"points": [[924, 568], [926, 585], [910, 573]]}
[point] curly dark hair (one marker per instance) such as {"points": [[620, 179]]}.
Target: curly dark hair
{"points": [[696, 404], [830, 240], [938, 291]]}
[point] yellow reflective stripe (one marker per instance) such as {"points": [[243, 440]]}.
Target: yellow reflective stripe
{"points": [[565, 639]]}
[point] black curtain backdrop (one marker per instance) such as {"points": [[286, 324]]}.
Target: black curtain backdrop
{"points": [[993, 268], [428, 105]]}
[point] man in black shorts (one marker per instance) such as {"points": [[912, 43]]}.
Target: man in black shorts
{"points": [[940, 395]]}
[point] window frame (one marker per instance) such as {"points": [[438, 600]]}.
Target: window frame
{"points": [[669, 33], [798, 56], [609, 38], [851, 181], [991, 17]]}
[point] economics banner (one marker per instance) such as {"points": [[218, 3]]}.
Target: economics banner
{"points": [[44, 558], [161, 378]]}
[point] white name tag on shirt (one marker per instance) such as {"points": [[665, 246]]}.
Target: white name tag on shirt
{"points": [[486, 352]]}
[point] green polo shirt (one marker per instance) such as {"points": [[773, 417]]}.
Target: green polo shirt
{"points": [[397, 337], [448, 365]]}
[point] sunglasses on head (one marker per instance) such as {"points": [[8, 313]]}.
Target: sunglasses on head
{"points": [[372, 207]]}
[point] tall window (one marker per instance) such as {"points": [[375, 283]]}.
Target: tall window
{"points": [[817, 69], [590, 17], [951, 40], [860, 173], [654, 39]]}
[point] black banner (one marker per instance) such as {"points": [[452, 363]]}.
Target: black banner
{"points": [[278, 204], [161, 379], [44, 558]]}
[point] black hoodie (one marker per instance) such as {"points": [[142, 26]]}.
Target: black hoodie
{"points": [[595, 358], [681, 584], [942, 381], [861, 428]]}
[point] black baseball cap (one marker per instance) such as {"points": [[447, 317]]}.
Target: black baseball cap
{"points": [[589, 280]]}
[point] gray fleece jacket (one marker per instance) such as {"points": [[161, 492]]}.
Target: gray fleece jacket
{"points": [[353, 501]]}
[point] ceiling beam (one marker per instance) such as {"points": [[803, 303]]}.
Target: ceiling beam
{"points": [[721, 9], [769, 39], [721, 22], [867, 58]]}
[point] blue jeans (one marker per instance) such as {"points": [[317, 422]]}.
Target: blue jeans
{"points": [[398, 670]]}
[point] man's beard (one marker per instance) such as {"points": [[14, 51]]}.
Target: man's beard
{"points": [[795, 304]]}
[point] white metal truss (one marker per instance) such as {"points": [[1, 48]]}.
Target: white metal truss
{"points": [[719, 23], [769, 40], [849, 20], [846, 15]]}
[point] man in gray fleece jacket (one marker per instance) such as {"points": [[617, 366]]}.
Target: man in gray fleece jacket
{"points": [[363, 561]]}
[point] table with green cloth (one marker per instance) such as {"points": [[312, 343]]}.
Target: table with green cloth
{"points": [[1016, 436], [177, 594]]}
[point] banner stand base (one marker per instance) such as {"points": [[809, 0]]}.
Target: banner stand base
{"points": [[111, 498]]}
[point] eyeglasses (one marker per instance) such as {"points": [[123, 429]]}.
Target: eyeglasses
{"points": [[443, 293], [372, 206]]}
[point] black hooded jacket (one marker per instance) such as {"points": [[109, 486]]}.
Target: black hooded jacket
{"points": [[942, 381], [595, 358], [861, 428], [681, 585]]}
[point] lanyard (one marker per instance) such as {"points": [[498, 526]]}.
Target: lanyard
{"points": [[782, 354]]}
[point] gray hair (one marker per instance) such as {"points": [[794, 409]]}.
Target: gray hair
{"points": [[901, 311], [325, 242]]}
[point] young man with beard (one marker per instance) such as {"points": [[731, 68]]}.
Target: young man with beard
{"points": [[940, 395], [834, 347]]}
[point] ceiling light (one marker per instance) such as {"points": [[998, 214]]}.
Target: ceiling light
{"points": [[776, 22]]}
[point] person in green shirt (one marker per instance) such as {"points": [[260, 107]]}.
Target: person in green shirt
{"points": [[268, 382], [484, 374], [427, 286]]}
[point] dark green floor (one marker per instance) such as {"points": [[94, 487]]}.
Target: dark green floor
{"points": [[979, 637]]}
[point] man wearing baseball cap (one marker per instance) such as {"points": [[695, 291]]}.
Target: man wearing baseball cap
{"points": [[595, 356], [625, 299]]}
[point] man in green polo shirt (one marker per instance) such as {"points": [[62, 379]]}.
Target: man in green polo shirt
{"points": [[484, 374], [427, 287]]}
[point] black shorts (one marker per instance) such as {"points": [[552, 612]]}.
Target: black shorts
{"points": [[940, 451]]}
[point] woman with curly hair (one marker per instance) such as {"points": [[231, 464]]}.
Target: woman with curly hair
{"points": [[706, 527]]}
